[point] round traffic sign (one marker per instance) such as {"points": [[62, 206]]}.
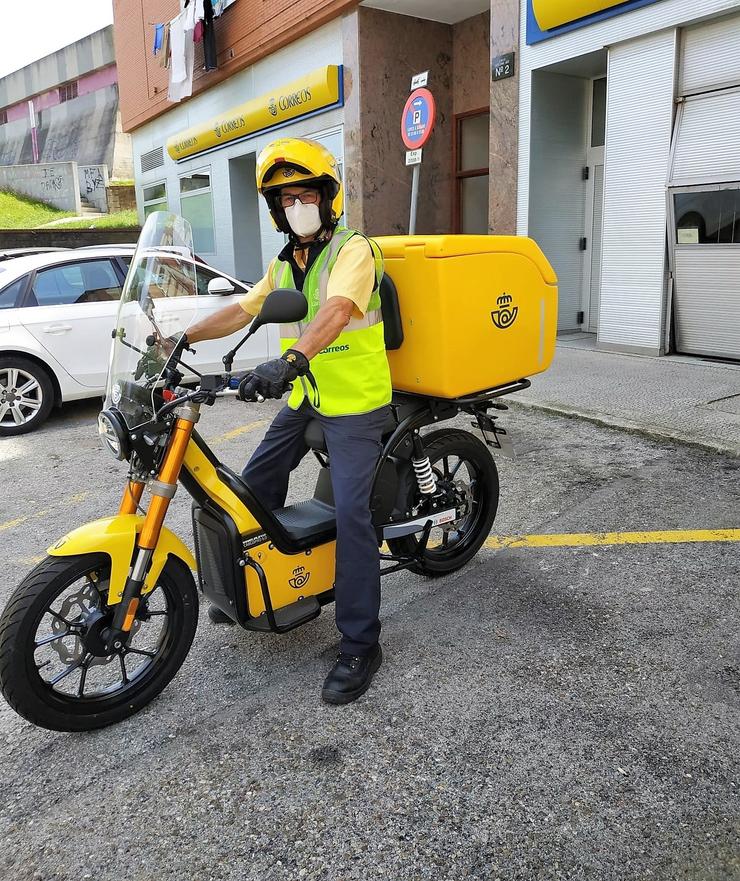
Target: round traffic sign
{"points": [[418, 119]]}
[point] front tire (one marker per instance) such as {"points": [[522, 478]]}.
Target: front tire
{"points": [[464, 463], [26, 395], [49, 672]]}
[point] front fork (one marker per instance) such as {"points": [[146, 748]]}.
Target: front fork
{"points": [[163, 489]]}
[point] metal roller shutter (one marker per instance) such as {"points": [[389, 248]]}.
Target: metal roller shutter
{"points": [[706, 139], [710, 56]]}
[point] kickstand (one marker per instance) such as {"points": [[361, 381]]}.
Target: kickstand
{"points": [[423, 541]]}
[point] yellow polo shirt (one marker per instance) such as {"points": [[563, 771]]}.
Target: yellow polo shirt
{"points": [[353, 277]]}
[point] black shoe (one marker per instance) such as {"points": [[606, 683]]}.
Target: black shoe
{"points": [[219, 617], [351, 676]]}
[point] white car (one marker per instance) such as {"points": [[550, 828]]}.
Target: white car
{"points": [[57, 314]]}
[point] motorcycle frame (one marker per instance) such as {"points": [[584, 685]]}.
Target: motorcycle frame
{"points": [[223, 495]]}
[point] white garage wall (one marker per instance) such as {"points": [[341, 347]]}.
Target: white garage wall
{"points": [[641, 79]]}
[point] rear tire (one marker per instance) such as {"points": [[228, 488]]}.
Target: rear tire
{"points": [[26, 395], [448, 445], [38, 699]]}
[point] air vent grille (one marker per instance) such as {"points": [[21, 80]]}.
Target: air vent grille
{"points": [[153, 159]]}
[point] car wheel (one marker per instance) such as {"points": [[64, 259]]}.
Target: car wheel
{"points": [[26, 395]]}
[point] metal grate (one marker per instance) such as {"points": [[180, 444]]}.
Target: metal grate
{"points": [[153, 159]]}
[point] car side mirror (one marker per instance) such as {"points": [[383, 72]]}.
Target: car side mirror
{"points": [[282, 306], [221, 286]]}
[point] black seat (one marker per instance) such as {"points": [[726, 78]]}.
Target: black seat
{"points": [[392, 324], [307, 519], [315, 439]]}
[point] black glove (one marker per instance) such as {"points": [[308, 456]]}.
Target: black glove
{"points": [[273, 378]]}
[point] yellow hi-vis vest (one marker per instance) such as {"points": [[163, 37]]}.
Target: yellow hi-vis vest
{"points": [[352, 374]]}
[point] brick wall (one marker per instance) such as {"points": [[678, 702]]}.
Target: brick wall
{"points": [[247, 31], [121, 198]]}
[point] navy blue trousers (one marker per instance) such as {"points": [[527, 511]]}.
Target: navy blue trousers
{"points": [[354, 445]]}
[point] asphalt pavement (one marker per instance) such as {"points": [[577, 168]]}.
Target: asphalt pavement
{"points": [[546, 713]]}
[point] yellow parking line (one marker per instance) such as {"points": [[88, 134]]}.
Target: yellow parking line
{"points": [[594, 539], [9, 524], [236, 432]]}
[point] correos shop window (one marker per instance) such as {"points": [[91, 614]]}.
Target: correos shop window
{"points": [[155, 198], [196, 206]]}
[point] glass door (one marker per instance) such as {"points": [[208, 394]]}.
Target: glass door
{"points": [[471, 173]]}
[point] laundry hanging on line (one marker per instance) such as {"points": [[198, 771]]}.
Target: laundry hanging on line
{"points": [[193, 25]]}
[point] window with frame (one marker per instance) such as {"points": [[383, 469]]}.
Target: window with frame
{"points": [[9, 295], [3, 117], [155, 198], [471, 172], [196, 206], [91, 281], [708, 217], [68, 91]]}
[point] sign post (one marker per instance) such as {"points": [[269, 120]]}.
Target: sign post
{"points": [[417, 122]]}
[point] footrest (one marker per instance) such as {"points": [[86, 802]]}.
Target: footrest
{"points": [[289, 617]]}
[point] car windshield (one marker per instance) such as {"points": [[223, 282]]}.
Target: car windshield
{"points": [[159, 302]]}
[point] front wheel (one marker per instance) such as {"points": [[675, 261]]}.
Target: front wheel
{"points": [[53, 669], [464, 470]]}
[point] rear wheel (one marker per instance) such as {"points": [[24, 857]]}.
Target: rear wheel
{"points": [[26, 395], [464, 470], [53, 670]]}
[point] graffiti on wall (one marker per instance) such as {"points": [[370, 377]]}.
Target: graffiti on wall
{"points": [[52, 181], [92, 179]]}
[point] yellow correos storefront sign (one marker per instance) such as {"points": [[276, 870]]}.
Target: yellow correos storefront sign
{"points": [[551, 13], [318, 90]]}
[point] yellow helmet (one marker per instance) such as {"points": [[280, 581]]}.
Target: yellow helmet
{"points": [[290, 161]]}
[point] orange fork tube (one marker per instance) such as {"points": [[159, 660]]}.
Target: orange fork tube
{"points": [[169, 473], [131, 497]]}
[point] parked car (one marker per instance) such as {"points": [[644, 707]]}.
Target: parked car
{"points": [[57, 313], [12, 253]]}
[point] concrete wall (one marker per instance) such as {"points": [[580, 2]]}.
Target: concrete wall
{"points": [[93, 182], [70, 63], [56, 183], [383, 51], [83, 130]]}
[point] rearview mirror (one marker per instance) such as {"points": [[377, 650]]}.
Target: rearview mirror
{"points": [[221, 286], [283, 306]]}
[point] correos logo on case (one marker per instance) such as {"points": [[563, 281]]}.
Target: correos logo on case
{"points": [[506, 314]]}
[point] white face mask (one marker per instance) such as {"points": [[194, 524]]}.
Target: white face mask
{"points": [[304, 220]]}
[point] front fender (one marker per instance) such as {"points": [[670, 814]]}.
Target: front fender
{"points": [[116, 537]]}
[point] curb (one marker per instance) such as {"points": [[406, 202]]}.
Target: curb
{"points": [[629, 428]]}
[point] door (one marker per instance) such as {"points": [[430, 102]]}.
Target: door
{"points": [[594, 208], [471, 159], [71, 310]]}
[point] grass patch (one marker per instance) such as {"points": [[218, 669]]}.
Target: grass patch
{"points": [[20, 212], [120, 183], [119, 220]]}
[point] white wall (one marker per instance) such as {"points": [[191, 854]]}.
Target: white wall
{"points": [[323, 46], [639, 120]]}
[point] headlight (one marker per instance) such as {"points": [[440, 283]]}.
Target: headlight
{"points": [[113, 434]]}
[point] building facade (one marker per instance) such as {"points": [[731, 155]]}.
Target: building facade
{"points": [[339, 72], [606, 131], [629, 168], [71, 100]]}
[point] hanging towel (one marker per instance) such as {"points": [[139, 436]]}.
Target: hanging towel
{"points": [[164, 55], [182, 56], [158, 37], [209, 38], [198, 32]]}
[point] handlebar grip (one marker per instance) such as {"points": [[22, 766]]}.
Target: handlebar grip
{"points": [[151, 340]]}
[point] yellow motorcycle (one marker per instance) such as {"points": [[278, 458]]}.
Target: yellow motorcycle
{"points": [[101, 626]]}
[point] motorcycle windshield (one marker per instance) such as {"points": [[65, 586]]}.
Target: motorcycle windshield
{"points": [[158, 305]]}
